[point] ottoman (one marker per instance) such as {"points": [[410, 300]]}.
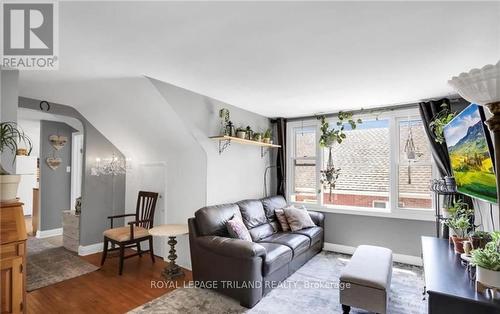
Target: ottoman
{"points": [[367, 279]]}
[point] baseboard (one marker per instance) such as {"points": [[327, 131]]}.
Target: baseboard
{"points": [[90, 249], [41, 234], [400, 258]]}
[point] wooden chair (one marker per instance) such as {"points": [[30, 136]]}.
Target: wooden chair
{"points": [[135, 233]]}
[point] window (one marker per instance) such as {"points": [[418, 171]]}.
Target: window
{"points": [[304, 165], [414, 165], [364, 162], [385, 167]]}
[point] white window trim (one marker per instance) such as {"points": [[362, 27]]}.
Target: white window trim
{"points": [[393, 210]]}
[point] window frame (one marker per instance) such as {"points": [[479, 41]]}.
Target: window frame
{"points": [[393, 210]]}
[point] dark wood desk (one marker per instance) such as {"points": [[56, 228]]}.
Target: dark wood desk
{"points": [[447, 282]]}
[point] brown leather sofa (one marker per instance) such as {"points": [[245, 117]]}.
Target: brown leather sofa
{"points": [[247, 270]]}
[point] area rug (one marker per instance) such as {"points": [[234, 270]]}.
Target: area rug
{"points": [[311, 289], [49, 264]]}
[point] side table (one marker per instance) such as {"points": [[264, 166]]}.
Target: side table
{"points": [[172, 270]]}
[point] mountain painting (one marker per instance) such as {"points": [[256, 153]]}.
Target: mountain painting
{"points": [[470, 156]]}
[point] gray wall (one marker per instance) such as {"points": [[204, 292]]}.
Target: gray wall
{"points": [[400, 235], [98, 193], [55, 184], [9, 93]]}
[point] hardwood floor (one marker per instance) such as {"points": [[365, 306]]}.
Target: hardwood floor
{"points": [[103, 291]]}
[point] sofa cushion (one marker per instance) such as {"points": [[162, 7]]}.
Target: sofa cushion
{"points": [[260, 232], [297, 242], [315, 234], [271, 203], [252, 212], [237, 229], [280, 214], [277, 256], [211, 220], [298, 218]]}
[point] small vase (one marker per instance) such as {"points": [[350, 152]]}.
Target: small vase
{"points": [[266, 140], [458, 243], [241, 134]]}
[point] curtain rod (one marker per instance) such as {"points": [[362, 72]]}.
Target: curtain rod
{"points": [[453, 99]]}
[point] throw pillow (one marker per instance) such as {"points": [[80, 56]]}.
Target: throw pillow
{"points": [[280, 214], [237, 229], [298, 218]]}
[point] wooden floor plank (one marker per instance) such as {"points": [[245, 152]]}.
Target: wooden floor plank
{"points": [[103, 291]]}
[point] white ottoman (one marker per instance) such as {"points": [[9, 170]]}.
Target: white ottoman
{"points": [[367, 279]]}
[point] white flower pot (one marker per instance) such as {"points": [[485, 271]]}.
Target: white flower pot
{"points": [[8, 187], [241, 134], [488, 277]]}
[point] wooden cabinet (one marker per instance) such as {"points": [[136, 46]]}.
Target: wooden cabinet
{"points": [[12, 258]]}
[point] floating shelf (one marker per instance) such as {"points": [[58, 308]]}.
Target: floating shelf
{"points": [[225, 141]]}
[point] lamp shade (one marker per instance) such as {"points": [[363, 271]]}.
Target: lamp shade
{"points": [[479, 86]]}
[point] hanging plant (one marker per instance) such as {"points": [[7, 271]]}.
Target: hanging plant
{"points": [[330, 137], [439, 122], [224, 121]]}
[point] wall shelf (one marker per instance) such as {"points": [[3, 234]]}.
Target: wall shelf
{"points": [[225, 141]]}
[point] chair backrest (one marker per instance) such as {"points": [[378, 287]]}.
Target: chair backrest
{"points": [[145, 210]]}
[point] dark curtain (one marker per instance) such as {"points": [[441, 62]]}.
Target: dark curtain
{"points": [[281, 156], [428, 110]]}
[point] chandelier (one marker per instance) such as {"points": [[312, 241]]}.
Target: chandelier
{"points": [[111, 166]]}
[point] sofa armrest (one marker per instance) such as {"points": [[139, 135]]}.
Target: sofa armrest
{"points": [[318, 218], [231, 247]]}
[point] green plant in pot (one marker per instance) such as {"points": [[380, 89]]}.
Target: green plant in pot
{"points": [[460, 224], [479, 239], [241, 133], [487, 262], [330, 137], [267, 136], [257, 137], [438, 123], [11, 136]]}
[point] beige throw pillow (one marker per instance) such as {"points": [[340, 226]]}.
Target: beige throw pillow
{"points": [[298, 218], [280, 214]]}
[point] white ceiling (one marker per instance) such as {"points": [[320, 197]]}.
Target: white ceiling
{"points": [[280, 58]]}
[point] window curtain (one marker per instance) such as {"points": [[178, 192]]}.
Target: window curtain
{"points": [[281, 156], [428, 110]]}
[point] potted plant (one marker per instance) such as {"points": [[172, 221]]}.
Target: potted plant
{"points": [[241, 133], [249, 133], [257, 137], [438, 123], [267, 136], [11, 135], [487, 262], [224, 120], [479, 239], [460, 224]]}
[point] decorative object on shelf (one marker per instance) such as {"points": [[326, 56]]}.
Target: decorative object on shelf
{"points": [[439, 121], [460, 224], [330, 137], [230, 129], [487, 263], [482, 87], [257, 137], [58, 141], [112, 166], [78, 205], [241, 133], [11, 135], [479, 239], [53, 162], [224, 120], [249, 133], [267, 136]]}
